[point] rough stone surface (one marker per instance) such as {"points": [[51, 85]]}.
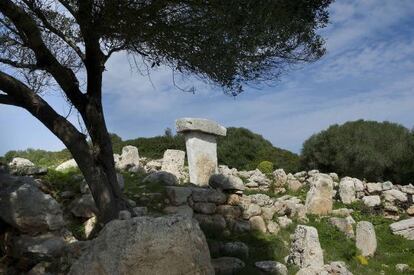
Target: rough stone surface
{"points": [[208, 195], [374, 187], [183, 210], [306, 250], [273, 227], [235, 249], [372, 201], [226, 182], [69, 164], [83, 206], [89, 226], [271, 267], [334, 268], [319, 197], [284, 221], [178, 195], [201, 125], [402, 267], [164, 245], [347, 190], [204, 207], [251, 210], [229, 211], [40, 247], [404, 228], [161, 177], [26, 208], [395, 195], [211, 222], [173, 162], [280, 177], [227, 265], [344, 225], [366, 240], [409, 189], [257, 224], [129, 158]]}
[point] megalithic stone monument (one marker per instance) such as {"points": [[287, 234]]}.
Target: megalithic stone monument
{"points": [[201, 143]]}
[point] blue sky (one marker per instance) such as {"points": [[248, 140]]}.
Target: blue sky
{"points": [[368, 72]]}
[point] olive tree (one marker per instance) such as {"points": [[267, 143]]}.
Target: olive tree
{"points": [[62, 43]]}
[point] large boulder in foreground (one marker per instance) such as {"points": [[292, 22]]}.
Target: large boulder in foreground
{"points": [[24, 206], [145, 245], [319, 197]]}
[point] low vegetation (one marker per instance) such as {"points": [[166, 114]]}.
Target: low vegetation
{"points": [[376, 151]]}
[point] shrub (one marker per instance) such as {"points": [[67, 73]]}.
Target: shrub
{"points": [[265, 167], [370, 150]]}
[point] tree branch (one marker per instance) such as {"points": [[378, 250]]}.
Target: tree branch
{"points": [[64, 76], [19, 94], [19, 65], [54, 30]]}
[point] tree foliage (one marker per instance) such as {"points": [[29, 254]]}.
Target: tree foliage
{"points": [[365, 149]]}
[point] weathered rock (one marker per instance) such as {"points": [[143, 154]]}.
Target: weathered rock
{"points": [[226, 182], [38, 248], [294, 185], [129, 158], [387, 185], [268, 212], [257, 178], [271, 267], [89, 226], [183, 210], [402, 267], [204, 207], [161, 177], [374, 187], [20, 162], [334, 268], [251, 210], [404, 228], [124, 215], [280, 177], [227, 265], [83, 206], [26, 208], [408, 189], [235, 249], [24, 167], [233, 199], [306, 250], [144, 245], [319, 197], [229, 211], [40, 269], [240, 226], [211, 222], [372, 201], [344, 225], [139, 211], [347, 190], [273, 227], [334, 177], [261, 199], [208, 195], [173, 162], [342, 212], [395, 195], [410, 210], [366, 240], [284, 221], [200, 140], [257, 224], [178, 195], [69, 164]]}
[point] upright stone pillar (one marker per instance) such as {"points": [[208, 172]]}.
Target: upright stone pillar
{"points": [[201, 144]]}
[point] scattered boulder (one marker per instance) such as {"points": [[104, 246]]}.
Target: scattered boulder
{"points": [[271, 267], [226, 182], [306, 250], [395, 195], [235, 249], [280, 177], [284, 221], [83, 207], [372, 201], [257, 224], [205, 207], [251, 210], [173, 162], [404, 228], [227, 265], [211, 222], [334, 268], [374, 187], [402, 267], [408, 189], [344, 225], [273, 227], [144, 245], [24, 167], [208, 195], [129, 159], [178, 195], [183, 210], [161, 177], [319, 197], [24, 206], [366, 240], [347, 190], [69, 164]]}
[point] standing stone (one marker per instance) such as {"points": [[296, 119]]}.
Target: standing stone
{"points": [[306, 250], [129, 158], [173, 162], [366, 240], [347, 190], [201, 144], [319, 197]]}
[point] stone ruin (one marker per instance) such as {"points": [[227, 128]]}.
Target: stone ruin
{"points": [[201, 144]]}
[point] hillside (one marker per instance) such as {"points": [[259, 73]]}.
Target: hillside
{"points": [[241, 149]]}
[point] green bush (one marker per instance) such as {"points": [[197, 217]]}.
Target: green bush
{"points": [[244, 150], [265, 167], [370, 150]]}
